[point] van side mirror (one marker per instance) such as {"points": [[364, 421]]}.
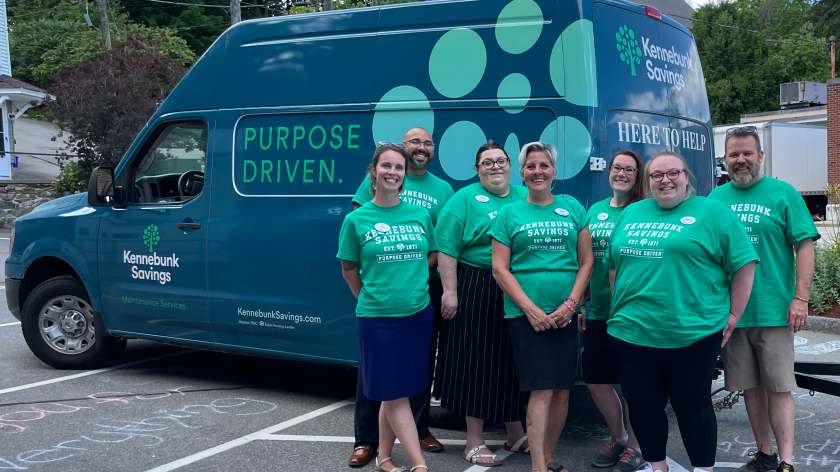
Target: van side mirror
{"points": [[101, 187]]}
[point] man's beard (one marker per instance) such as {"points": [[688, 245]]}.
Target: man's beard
{"points": [[416, 165], [753, 174]]}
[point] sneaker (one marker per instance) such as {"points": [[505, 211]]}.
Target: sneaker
{"points": [[761, 462], [609, 456], [629, 461], [784, 467]]}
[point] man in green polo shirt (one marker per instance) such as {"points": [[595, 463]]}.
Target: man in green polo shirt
{"points": [[758, 358], [425, 190]]}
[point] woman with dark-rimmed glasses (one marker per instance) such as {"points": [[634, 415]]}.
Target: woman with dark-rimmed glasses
{"points": [[477, 375], [681, 268], [386, 248], [599, 359]]}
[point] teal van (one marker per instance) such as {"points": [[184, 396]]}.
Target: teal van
{"points": [[218, 229]]}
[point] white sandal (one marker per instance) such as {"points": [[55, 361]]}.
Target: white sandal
{"points": [[473, 456], [418, 466], [379, 468], [517, 446]]}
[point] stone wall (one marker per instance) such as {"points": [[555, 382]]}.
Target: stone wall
{"points": [[19, 197]]}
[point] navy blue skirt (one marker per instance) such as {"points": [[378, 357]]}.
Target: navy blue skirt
{"points": [[394, 354]]}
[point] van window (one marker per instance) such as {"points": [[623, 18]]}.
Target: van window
{"points": [[172, 169]]}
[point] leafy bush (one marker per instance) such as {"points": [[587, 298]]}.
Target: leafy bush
{"points": [[68, 179], [104, 103], [825, 290]]}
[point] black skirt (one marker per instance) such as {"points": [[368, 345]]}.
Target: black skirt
{"points": [[477, 376], [545, 360]]}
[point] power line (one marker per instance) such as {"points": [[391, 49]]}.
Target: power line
{"points": [[751, 31], [201, 4]]}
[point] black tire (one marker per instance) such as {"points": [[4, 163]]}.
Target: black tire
{"points": [[71, 290]]}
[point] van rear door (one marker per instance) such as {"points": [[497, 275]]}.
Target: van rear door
{"points": [[652, 95]]}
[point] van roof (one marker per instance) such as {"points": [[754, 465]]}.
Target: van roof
{"points": [[259, 63]]}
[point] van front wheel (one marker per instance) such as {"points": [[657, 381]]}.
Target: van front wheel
{"points": [[58, 325]]}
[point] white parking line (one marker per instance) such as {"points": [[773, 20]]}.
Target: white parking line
{"points": [[10, 324], [90, 372], [251, 437], [729, 465], [351, 439], [673, 466]]}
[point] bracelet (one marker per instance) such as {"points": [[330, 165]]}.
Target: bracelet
{"points": [[800, 299], [571, 308], [573, 301]]}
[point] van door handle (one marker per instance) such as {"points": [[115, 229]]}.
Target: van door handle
{"points": [[189, 225]]}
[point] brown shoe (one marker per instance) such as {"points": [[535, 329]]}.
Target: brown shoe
{"points": [[431, 444], [361, 456]]}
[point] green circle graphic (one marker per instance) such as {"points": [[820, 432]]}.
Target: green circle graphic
{"points": [[399, 110], [573, 143], [578, 48], [514, 93], [457, 62], [457, 149], [512, 149], [556, 68], [519, 26]]}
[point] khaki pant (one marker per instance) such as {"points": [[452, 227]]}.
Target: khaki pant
{"points": [[759, 357]]}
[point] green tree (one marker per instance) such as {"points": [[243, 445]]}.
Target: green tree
{"points": [[628, 47], [744, 69], [41, 42]]}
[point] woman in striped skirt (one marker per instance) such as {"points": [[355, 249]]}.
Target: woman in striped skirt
{"points": [[477, 376]]}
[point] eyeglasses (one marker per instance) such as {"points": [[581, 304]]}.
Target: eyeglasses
{"points": [[417, 142], [502, 162], [672, 174], [388, 143], [742, 129], [627, 170]]}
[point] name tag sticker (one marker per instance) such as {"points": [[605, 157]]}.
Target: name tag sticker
{"points": [[688, 220], [382, 227], [482, 198], [561, 211], [604, 216]]}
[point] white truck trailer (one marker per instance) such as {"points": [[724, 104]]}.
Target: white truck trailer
{"points": [[795, 153]]}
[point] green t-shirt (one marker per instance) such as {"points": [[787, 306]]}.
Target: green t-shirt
{"points": [[775, 217], [602, 219], [464, 223], [391, 246], [427, 191], [543, 249], [672, 271]]}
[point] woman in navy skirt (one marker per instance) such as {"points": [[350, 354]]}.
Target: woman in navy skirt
{"points": [[386, 248]]}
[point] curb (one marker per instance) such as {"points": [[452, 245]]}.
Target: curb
{"points": [[822, 324]]}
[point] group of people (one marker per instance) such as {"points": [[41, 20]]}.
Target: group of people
{"points": [[494, 280]]}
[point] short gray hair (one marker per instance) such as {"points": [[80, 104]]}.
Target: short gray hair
{"points": [[537, 146]]}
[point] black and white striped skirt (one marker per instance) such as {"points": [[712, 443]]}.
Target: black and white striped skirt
{"points": [[477, 376]]}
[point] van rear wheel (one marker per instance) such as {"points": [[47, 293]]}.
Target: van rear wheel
{"points": [[58, 325]]}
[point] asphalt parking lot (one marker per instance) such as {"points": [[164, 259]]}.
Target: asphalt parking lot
{"points": [[159, 408]]}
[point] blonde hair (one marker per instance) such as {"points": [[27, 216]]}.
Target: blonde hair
{"points": [[537, 146]]}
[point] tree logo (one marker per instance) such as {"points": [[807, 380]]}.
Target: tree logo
{"points": [[151, 237], [628, 47]]}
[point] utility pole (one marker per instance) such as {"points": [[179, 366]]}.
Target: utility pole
{"points": [[832, 39], [327, 5], [235, 12], [103, 24]]}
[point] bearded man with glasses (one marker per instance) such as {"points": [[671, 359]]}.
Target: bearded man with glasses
{"points": [[759, 356], [425, 190]]}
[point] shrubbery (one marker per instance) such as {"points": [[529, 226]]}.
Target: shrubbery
{"points": [[68, 179], [825, 290]]}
